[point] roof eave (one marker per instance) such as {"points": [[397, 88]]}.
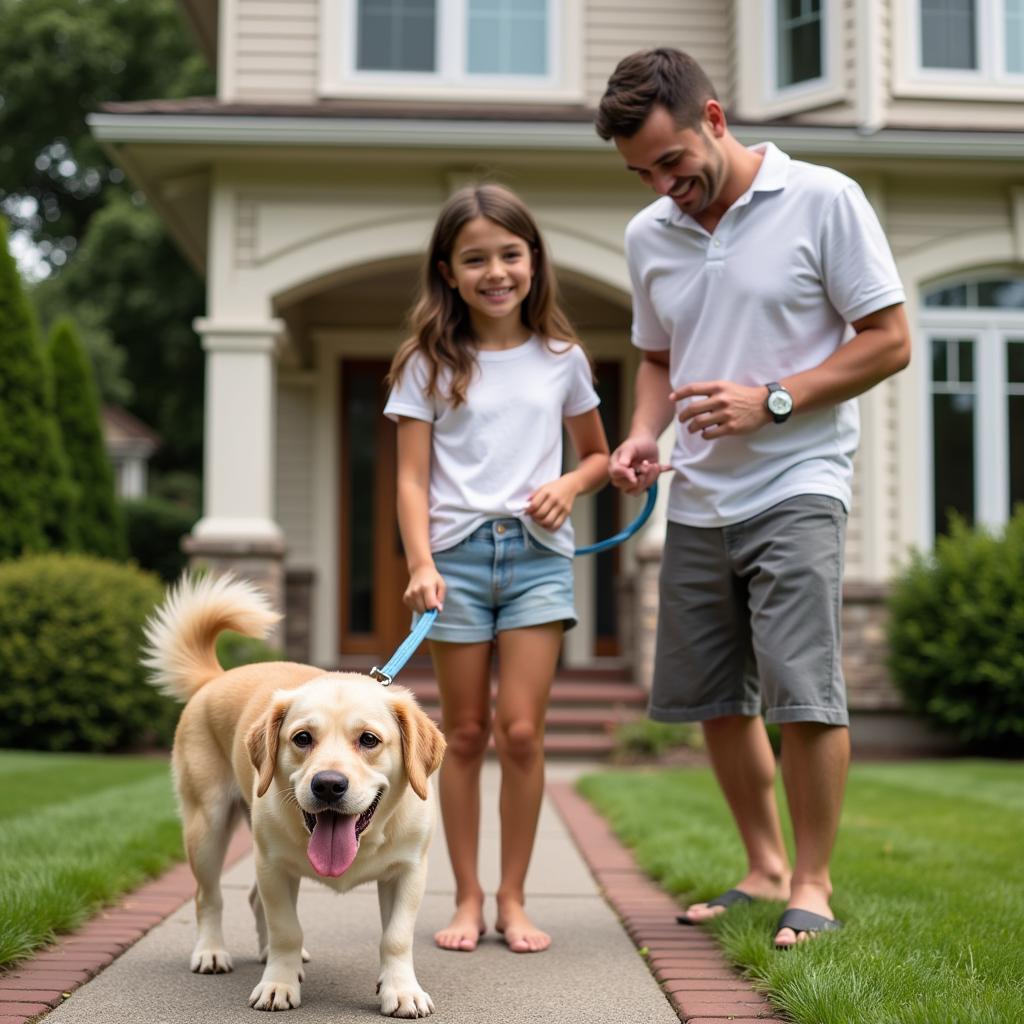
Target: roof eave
{"points": [[231, 130]]}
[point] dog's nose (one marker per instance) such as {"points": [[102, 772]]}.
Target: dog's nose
{"points": [[329, 785]]}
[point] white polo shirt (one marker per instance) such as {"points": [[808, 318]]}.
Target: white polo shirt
{"points": [[796, 259]]}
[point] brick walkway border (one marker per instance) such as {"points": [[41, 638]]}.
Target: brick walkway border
{"points": [[35, 986], [696, 977]]}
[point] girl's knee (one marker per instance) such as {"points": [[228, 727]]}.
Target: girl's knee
{"points": [[467, 740], [519, 740]]}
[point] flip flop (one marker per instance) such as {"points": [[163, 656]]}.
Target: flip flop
{"points": [[727, 899], [805, 921]]}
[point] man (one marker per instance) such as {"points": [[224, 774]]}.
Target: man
{"points": [[765, 300]]}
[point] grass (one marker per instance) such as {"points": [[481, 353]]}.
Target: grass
{"points": [[76, 831], [929, 874]]}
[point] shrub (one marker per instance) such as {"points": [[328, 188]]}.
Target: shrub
{"points": [[155, 528], [37, 497], [645, 738], [77, 408], [956, 635], [70, 637], [234, 650]]}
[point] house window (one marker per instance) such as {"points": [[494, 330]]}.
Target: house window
{"points": [[975, 335], [507, 37], [1015, 36], [799, 38], [980, 41], [454, 40], [396, 35], [948, 34]]}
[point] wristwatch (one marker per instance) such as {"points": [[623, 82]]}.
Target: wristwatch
{"points": [[779, 402]]}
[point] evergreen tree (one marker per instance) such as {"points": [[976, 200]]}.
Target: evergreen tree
{"points": [[36, 493], [77, 408]]}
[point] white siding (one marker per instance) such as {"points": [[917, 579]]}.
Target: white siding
{"points": [[614, 29], [921, 213], [294, 469], [276, 50]]}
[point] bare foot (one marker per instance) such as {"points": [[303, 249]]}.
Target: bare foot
{"points": [[465, 929], [756, 886], [521, 935], [814, 898]]}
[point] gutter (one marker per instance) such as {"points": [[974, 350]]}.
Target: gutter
{"points": [[228, 130]]}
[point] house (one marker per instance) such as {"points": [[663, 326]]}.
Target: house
{"points": [[305, 190], [129, 444]]}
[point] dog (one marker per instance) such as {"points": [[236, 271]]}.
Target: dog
{"points": [[330, 768]]}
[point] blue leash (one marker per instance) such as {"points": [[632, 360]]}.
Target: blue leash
{"points": [[405, 650]]}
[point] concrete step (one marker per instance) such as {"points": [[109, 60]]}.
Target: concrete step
{"points": [[582, 715], [597, 694]]}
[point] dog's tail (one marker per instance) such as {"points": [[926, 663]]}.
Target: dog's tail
{"points": [[181, 635]]}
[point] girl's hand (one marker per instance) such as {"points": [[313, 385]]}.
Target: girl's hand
{"points": [[426, 589], [551, 503]]}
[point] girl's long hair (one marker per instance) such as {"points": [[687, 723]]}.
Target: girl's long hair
{"points": [[439, 321]]}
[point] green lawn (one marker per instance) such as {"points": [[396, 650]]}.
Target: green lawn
{"points": [[77, 830], [929, 877]]}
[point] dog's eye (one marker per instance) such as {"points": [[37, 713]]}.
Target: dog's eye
{"points": [[368, 740], [302, 739]]}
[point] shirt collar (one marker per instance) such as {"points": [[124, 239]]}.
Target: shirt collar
{"points": [[771, 177]]}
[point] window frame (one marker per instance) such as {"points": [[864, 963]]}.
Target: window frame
{"points": [[758, 92], [990, 329], [989, 81], [339, 76]]}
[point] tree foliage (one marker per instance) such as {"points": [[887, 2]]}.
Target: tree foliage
{"points": [[37, 497], [100, 526], [128, 277], [61, 60]]}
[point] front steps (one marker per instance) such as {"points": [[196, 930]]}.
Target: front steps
{"points": [[586, 705]]}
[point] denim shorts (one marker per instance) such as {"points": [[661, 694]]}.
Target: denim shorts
{"points": [[500, 578], [748, 619]]}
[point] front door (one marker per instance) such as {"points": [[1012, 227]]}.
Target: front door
{"points": [[372, 572]]}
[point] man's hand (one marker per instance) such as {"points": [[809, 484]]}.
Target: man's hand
{"points": [[722, 407], [426, 589], [634, 466]]}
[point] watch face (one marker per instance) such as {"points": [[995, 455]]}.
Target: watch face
{"points": [[780, 402]]}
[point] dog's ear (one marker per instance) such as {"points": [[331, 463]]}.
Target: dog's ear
{"points": [[262, 744], [422, 742]]}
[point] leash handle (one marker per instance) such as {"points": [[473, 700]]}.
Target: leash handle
{"points": [[405, 651], [633, 527]]}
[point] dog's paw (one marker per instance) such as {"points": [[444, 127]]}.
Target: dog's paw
{"points": [[410, 1002], [305, 955], [211, 961], [274, 995]]}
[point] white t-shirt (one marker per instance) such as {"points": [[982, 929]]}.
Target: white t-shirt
{"points": [[796, 259], [493, 451]]}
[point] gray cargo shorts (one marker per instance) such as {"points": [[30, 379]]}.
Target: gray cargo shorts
{"points": [[748, 620]]}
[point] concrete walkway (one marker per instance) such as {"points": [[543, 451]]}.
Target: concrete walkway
{"points": [[592, 972]]}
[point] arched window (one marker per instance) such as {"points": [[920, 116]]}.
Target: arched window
{"points": [[974, 332]]}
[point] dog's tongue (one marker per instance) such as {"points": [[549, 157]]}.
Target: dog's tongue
{"points": [[333, 846]]}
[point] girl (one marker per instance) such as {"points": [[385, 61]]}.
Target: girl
{"points": [[480, 392]]}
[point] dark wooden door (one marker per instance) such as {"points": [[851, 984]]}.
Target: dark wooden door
{"points": [[372, 573]]}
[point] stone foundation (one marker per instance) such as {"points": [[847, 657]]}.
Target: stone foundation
{"points": [[259, 561], [298, 623]]}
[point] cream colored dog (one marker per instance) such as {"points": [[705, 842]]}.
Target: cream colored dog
{"points": [[331, 769]]}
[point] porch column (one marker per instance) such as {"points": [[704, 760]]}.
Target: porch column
{"points": [[237, 530]]}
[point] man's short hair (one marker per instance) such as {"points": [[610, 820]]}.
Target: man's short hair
{"points": [[648, 78]]}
